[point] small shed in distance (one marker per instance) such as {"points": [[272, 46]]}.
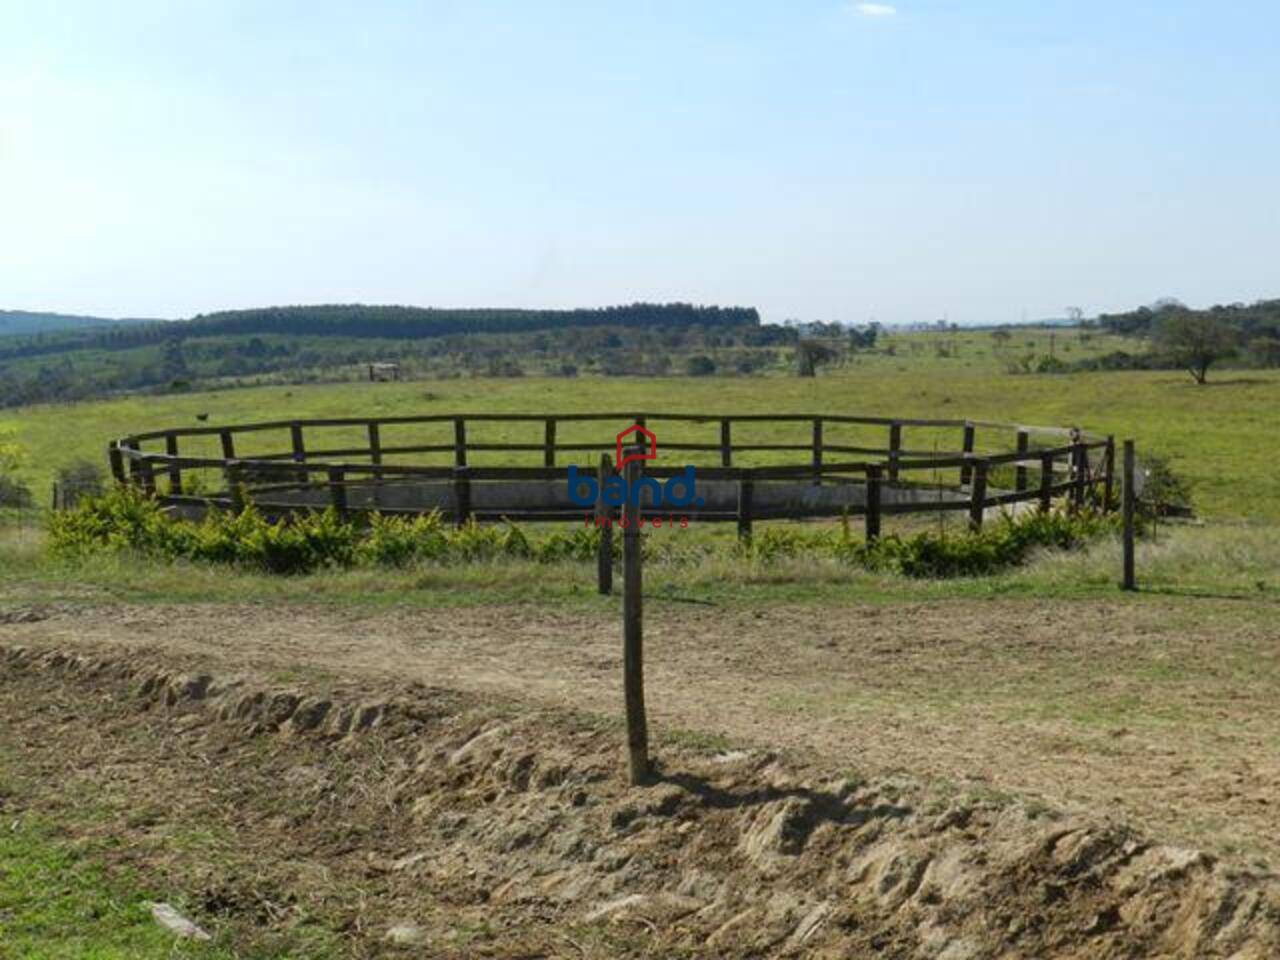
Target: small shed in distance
{"points": [[384, 371]]}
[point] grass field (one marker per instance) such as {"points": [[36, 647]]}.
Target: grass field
{"points": [[1216, 436]]}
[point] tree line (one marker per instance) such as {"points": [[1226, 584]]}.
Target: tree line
{"points": [[376, 322], [1195, 340]]}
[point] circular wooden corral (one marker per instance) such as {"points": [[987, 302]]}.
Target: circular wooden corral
{"points": [[805, 470]]}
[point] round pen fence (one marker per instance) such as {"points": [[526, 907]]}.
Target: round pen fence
{"points": [[748, 467]]}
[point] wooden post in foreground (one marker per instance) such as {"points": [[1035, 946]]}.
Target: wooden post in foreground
{"points": [[633, 634], [604, 524], [1130, 581]]}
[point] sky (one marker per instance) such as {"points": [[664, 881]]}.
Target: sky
{"points": [[982, 161]]}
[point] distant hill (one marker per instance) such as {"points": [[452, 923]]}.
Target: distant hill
{"points": [[297, 343], [361, 320], [23, 322]]}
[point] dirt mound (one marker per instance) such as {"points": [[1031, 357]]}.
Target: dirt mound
{"points": [[465, 808]]}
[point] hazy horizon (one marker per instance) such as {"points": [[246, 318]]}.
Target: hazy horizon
{"points": [[822, 160]]}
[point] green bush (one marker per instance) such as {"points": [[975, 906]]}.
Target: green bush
{"points": [[972, 554], [401, 541], [1164, 491], [581, 545], [126, 519]]}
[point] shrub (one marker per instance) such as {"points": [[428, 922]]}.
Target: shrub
{"points": [[1051, 364], [700, 365], [996, 547], [1163, 491], [581, 545], [126, 519], [400, 541]]}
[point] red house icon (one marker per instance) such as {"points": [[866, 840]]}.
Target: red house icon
{"points": [[643, 438]]}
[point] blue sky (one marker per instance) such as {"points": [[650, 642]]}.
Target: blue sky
{"points": [[818, 159]]}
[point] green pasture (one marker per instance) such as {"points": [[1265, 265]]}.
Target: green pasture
{"points": [[1219, 436]]}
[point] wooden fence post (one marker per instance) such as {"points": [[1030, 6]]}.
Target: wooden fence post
{"points": [[817, 451], [1024, 444], [338, 490], [459, 442], [549, 443], [1080, 468], [726, 443], [148, 475], [1130, 581], [874, 475], [746, 493], [977, 501], [604, 524], [175, 471], [375, 443], [235, 488], [132, 465], [462, 494], [633, 633], [895, 450], [228, 444], [1046, 482], [116, 459], [1109, 481], [966, 472]]}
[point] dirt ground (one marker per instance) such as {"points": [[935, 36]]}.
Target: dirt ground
{"points": [[1162, 713], [388, 818]]}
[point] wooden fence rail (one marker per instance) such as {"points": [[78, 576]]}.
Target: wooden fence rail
{"points": [[896, 478]]}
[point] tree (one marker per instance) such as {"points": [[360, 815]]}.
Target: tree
{"points": [[810, 354], [1195, 340], [700, 365], [864, 339]]}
